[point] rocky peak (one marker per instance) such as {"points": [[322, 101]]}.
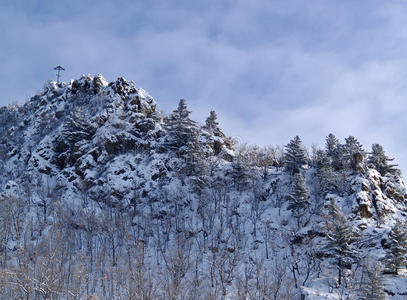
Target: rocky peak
{"points": [[76, 131]]}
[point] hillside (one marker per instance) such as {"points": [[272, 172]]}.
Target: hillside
{"points": [[105, 197]]}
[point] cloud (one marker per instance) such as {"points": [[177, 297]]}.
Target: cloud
{"points": [[272, 69]]}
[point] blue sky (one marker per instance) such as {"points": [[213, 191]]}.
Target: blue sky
{"points": [[271, 69]]}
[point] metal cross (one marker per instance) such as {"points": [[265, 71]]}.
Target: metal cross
{"points": [[59, 69]]}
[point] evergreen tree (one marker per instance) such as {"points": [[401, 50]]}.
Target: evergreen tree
{"points": [[352, 145], [298, 199], [334, 151], [212, 125], [340, 238], [211, 121], [321, 160], [351, 151], [180, 128], [240, 173], [217, 137], [295, 156], [396, 257], [331, 145], [380, 161], [372, 285], [195, 155], [326, 174], [183, 137]]}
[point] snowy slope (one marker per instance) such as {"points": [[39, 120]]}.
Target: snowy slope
{"points": [[128, 203]]}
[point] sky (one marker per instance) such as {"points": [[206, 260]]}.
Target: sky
{"points": [[270, 69]]}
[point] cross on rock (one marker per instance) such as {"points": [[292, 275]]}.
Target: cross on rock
{"points": [[59, 69]]}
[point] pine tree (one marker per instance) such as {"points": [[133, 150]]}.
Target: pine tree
{"points": [[195, 156], [331, 145], [183, 138], [180, 128], [294, 156], [352, 145], [321, 160], [326, 174], [340, 238], [372, 285], [212, 125], [298, 199], [380, 161], [395, 258], [352, 152], [240, 173], [334, 151], [217, 137]]}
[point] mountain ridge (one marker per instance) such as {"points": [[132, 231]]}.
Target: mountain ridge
{"points": [[165, 208]]}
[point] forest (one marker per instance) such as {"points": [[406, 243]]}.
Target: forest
{"points": [[102, 196]]}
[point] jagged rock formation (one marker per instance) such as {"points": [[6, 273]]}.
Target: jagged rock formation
{"points": [[109, 197], [80, 132]]}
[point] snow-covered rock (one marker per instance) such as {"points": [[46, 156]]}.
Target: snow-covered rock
{"points": [[96, 162]]}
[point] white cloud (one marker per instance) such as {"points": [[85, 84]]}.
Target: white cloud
{"points": [[272, 69]]}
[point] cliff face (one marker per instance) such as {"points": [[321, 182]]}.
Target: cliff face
{"points": [[96, 180]]}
